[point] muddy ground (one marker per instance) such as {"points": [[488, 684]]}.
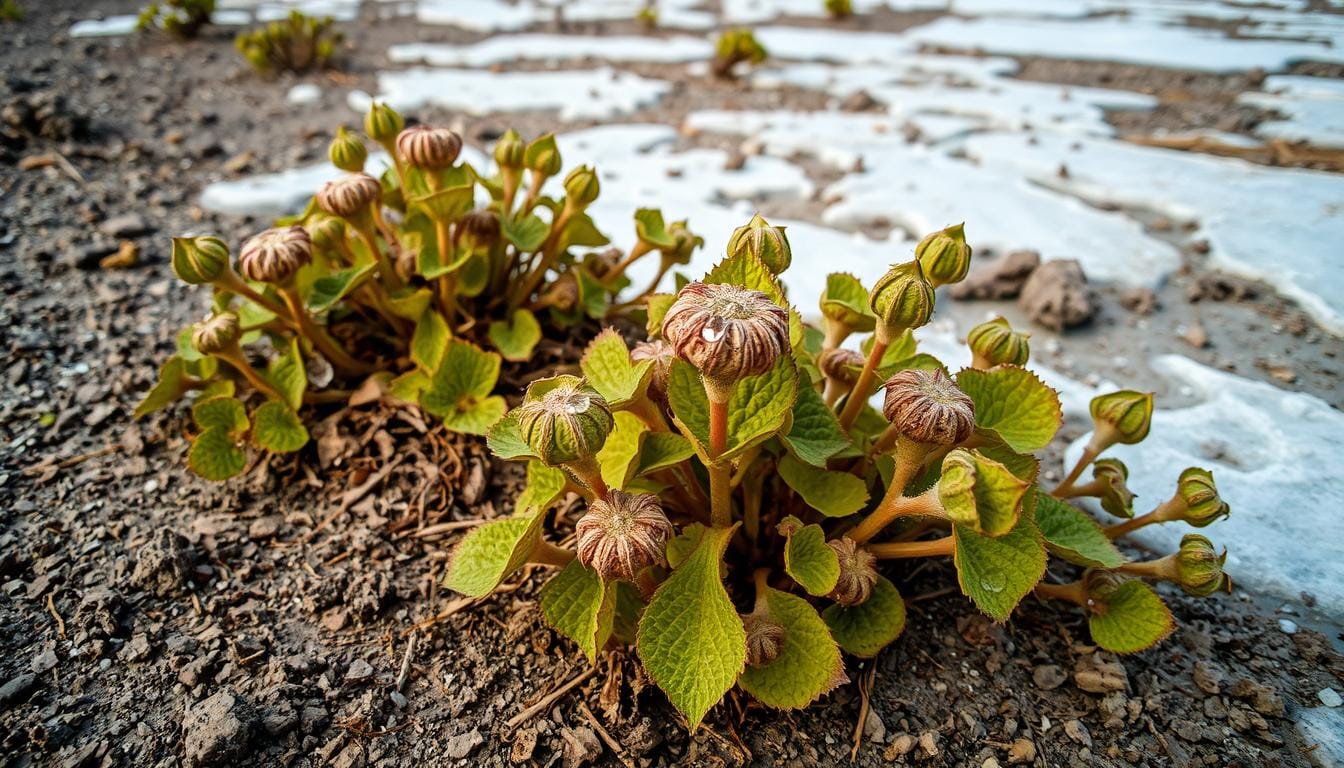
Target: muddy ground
{"points": [[149, 618]]}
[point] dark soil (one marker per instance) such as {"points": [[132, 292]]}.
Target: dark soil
{"points": [[149, 618]]}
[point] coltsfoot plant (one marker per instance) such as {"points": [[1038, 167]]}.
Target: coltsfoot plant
{"points": [[182, 19], [736, 46], [297, 43], [743, 492], [414, 285]]}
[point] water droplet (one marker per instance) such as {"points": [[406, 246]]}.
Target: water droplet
{"points": [[712, 334], [991, 585]]}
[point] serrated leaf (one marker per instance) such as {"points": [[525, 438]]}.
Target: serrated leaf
{"points": [[981, 493], [505, 440], [691, 640], [620, 453], [527, 233], [846, 299], [662, 450], [1015, 404], [681, 546], [834, 494], [459, 391], [867, 628], [1071, 534], [545, 486], [409, 303], [606, 364], [215, 455], [996, 573], [330, 289], [808, 658], [288, 374], [1134, 619], [1024, 465], [810, 562], [657, 306], [429, 342], [516, 339], [276, 427], [579, 605], [491, 552], [816, 434], [746, 270], [226, 413], [757, 410], [170, 387]]}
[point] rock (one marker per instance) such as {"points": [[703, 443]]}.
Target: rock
{"points": [[463, 744], [125, 225], [1022, 752], [163, 566], [1329, 697], [928, 743], [859, 101], [1208, 677], [90, 257], [900, 746], [264, 527], [1048, 677], [218, 730], [1140, 301], [1002, 279], [99, 612], [1100, 674], [359, 671], [45, 661], [1056, 295], [1288, 626], [1077, 733], [524, 744], [581, 746], [17, 689], [874, 730]]}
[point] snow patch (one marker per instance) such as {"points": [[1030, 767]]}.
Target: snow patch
{"points": [[304, 93], [1313, 108], [500, 50], [500, 16]]}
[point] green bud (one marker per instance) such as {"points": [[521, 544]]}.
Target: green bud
{"points": [[564, 420], [765, 242], [945, 256], [1121, 417], [542, 156], [684, 243], [1199, 496], [1199, 567], [509, 150], [347, 151], [328, 232], [996, 343], [901, 299], [198, 260], [582, 186], [382, 123], [1112, 476]]}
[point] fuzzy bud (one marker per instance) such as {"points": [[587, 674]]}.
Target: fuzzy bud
{"points": [[1121, 417], [564, 420], [327, 232], [901, 299], [858, 572], [509, 150], [728, 333], [945, 256], [429, 148], [582, 186], [563, 293], [347, 152], [927, 407], [1199, 567], [622, 534], [542, 156], [276, 254], [765, 242], [765, 639], [217, 334], [350, 195], [842, 365], [996, 343], [660, 352], [382, 123], [1200, 498], [1112, 476], [478, 228], [198, 260]]}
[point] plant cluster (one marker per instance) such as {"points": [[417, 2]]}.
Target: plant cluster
{"points": [[182, 19], [413, 285], [297, 43], [742, 492], [736, 46], [839, 9], [10, 10]]}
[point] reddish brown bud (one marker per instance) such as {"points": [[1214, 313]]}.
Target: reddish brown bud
{"points": [[430, 148], [276, 254], [843, 365], [727, 332], [660, 352], [350, 195], [622, 534], [765, 639], [927, 407], [858, 572]]}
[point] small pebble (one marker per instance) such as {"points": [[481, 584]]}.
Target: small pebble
{"points": [[1288, 626], [1329, 697]]}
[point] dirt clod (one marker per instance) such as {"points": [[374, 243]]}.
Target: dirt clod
{"points": [[1003, 279], [217, 730], [1056, 295]]}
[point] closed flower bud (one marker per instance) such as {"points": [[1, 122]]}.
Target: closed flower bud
{"points": [[509, 150], [1199, 497], [996, 343], [1199, 567], [1121, 417], [198, 260], [382, 123], [927, 407], [728, 333], [842, 365], [217, 334], [276, 254], [622, 534], [945, 256], [432, 149], [660, 352], [478, 229], [765, 639], [582, 186], [1099, 584], [564, 420], [327, 232], [858, 572], [767, 243], [350, 195], [901, 299], [542, 156], [563, 293], [1113, 489], [347, 152], [684, 243]]}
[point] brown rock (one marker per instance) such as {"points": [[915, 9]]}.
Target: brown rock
{"points": [[1048, 677], [859, 101], [1140, 301], [1099, 673], [1022, 752], [1003, 279], [1056, 295]]}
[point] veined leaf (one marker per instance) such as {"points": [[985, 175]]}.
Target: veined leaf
{"points": [[867, 628], [607, 365], [527, 233], [996, 573], [505, 441], [662, 450], [1071, 534], [834, 494], [215, 454], [847, 299], [1015, 404], [807, 661], [981, 493], [746, 270], [658, 305], [516, 339], [620, 453], [170, 387], [810, 562], [816, 434], [1134, 618], [491, 552], [429, 342], [330, 289], [580, 606], [226, 413], [276, 427], [759, 407], [289, 375], [459, 391], [545, 486]]}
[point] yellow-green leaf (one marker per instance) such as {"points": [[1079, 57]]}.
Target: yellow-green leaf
{"points": [[1132, 619], [215, 454], [810, 562], [815, 435], [409, 303], [619, 455], [491, 552], [981, 493], [1071, 534], [330, 289], [807, 661], [526, 233], [459, 391], [996, 573], [834, 494], [516, 339], [658, 305], [170, 387], [276, 427], [545, 486], [226, 413], [662, 450], [607, 365], [289, 375], [867, 628], [505, 440], [429, 342], [758, 409], [580, 606], [1013, 402], [846, 300]]}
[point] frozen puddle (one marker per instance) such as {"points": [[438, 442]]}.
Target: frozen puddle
{"points": [[505, 49], [1313, 109], [1275, 456]]}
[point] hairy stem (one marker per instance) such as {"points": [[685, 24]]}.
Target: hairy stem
{"points": [[233, 283], [1162, 568], [1061, 491], [1161, 514], [546, 553], [909, 460], [235, 358], [863, 387], [1073, 592]]}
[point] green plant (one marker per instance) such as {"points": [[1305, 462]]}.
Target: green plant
{"points": [[734, 47], [839, 9], [400, 287], [647, 15], [297, 43], [742, 492], [182, 19], [10, 10]]}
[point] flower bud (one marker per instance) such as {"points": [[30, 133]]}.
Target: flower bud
{"points": [[276, 254], [1199, 567], [563, 293], [564, 420], [1121, 417], [542, 156], [217, 334], [428, 148], [509, 150], [1112, 476], [858, 574], [660, 352], [901, 299], [382, 123], [945, 256], [622, 534], [927, 407], [198, 260], [1099, 584], [347, 151], [765, 639], [767, 243], [582, 186], [477, 229], [1200, 498], [327, 232], [996, 343], [842, 365], [684, 243], [350, 195], [728, 333]]}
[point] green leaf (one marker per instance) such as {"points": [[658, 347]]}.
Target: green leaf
{"points": [[505, 440], [816, 434], [170, 387], [681, 546], [288, 374], [1071, 534], [526, 233], [545, 486], [807, 661], [650, 227], [1024, 465], [867, 628], [409, 303], [996, 573], [658, 304], [620, 453], [215, 454], [226, 413], [459, 391], [981, 493], [662, 450], [810, 562], [582, 232], [447, 204], [691, 640], [746, 270], [408, 386], [491, 552], [515, 340], [629, 607], [1015, 404], [846, 299], [276, 427], [430, 340], [593, 295], [834, 494], [758, 409], [578, 605], [607, 366], [330, 289], [1133, 618]]}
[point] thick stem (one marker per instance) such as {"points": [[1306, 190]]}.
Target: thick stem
{"points": [[663, 267], [315, 333], [1159, 515], [720, 472], [511, 179], [546, 553], [908, 549], [536, 180], [386, 273], [979, 362], [231, 282], [548, 256], [720, 496], [1073, 592], [909, 460], [718, 429], [235, 358], [926, 504], [1092, 487], [761, 578], [1084, 460], [863, 387], [590, 474], [1162, 568], [639, 250]]}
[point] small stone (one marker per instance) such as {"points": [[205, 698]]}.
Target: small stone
{"points": [[928, 743], [463, 744], [1288, 626], [524, 744], [45, 661], [859, 101], [398, 700], [1100, 674], [1208, 677], [1023, 751], [359, 671], [1329, 697], [900, 746], [1077, 733], [1056, 295], [264, 527], [874, 730], [125, 225], [1140, 301], [1048, 677], [1003, 279], [217, 730], [17, 689], [581, 746]]}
